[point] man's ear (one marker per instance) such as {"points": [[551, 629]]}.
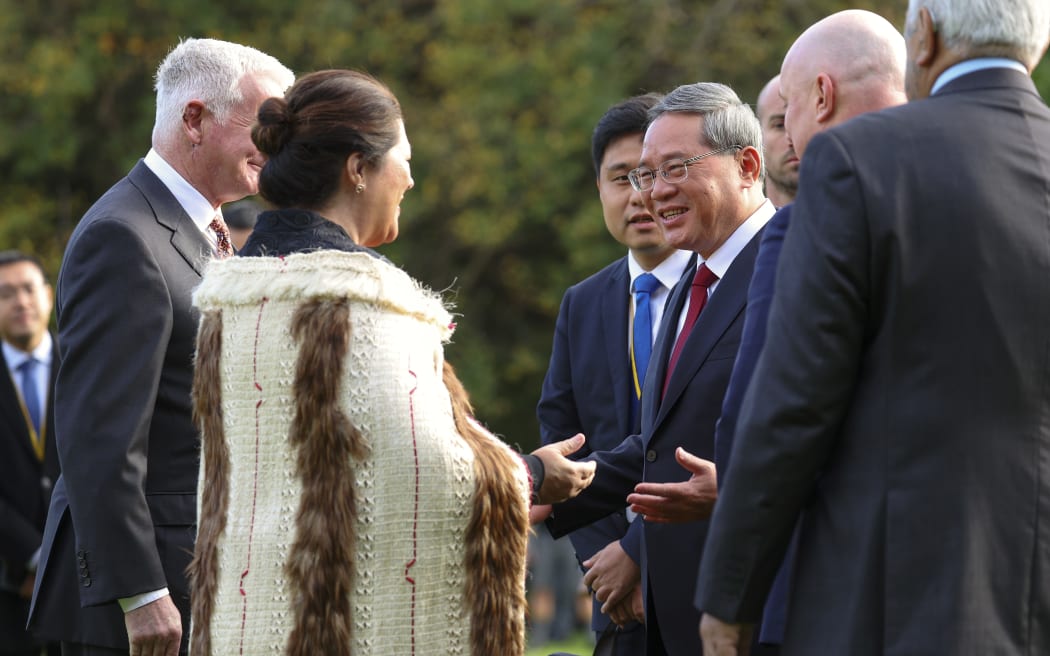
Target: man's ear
{"points": [[825, 108], [192, 120], [750, 164], [926, 39]]}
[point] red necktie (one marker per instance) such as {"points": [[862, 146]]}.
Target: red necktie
{"points": [[223, 248], [703, 279]]}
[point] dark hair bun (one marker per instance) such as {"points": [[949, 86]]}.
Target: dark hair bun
{"points": [[275, 126]]}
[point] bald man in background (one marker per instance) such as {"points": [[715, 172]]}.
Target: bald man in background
{"points": [[847, 64], [781, 161]]}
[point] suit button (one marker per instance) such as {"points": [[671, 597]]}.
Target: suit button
{"points": [[650, 455], [86, 581]]}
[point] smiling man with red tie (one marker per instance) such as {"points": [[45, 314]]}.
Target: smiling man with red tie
{"points": [[701, 179]]}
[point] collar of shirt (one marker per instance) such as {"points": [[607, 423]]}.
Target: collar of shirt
{"points": [[15, 357], [971, 65], [191, 200], [667, 272], [722, 259]]}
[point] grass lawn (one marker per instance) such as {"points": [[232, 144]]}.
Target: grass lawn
{"points": [[580, 644]]}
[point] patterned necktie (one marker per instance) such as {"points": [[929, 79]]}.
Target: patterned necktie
{"points": [[223, 247], [30, 396], [642, 343], [703, 279]]}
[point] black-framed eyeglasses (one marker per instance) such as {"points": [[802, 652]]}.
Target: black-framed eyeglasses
{"points": [[673, 170]]}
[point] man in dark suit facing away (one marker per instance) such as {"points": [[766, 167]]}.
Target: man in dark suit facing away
{"points": [[29, 361], [899, 406], [120, 529], [701, 179], [602, 342]]}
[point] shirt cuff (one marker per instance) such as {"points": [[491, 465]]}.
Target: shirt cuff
{"points": [[34, 561], [536, 471], [128, 604]]}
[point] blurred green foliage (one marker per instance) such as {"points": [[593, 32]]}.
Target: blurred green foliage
{"points": [[500, 99]]}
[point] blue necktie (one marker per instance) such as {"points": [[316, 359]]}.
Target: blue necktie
{"points": [[29, 393], [642, 348]]}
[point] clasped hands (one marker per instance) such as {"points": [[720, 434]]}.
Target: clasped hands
{"points": [[615, 580]]}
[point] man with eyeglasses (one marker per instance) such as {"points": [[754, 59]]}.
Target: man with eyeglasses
{"points": [[701, 179]]}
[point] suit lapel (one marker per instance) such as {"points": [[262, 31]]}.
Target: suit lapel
{"points": [[613, 328], [50, 444], [186, 238], [725, 305]]}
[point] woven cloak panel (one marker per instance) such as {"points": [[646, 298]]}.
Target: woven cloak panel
{"points": [[415, 489]]}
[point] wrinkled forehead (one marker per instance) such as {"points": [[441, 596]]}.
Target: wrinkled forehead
{"points": [[671, 135]]}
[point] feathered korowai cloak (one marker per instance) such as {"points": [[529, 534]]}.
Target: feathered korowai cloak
{"points": [[348, 503]]}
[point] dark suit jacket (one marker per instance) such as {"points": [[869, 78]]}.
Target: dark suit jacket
{"points": [[25, 489], [903, 395], [685, 417], [759, 299], [588, 390], [122, 515]]}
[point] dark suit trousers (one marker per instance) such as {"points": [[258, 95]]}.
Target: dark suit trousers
{"points": [[77, 649], [50, 650]]}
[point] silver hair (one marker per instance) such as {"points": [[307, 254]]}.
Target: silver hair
{"points": [[1018, 29], [728, 121], [210, 71]]}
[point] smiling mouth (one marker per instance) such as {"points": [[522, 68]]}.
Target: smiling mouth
{"points": [[671, 215]]}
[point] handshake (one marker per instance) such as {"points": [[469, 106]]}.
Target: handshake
{"points": [[674, 502]]}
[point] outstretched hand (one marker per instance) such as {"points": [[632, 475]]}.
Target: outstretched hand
{"points": [[687, 501], [563, 478]]}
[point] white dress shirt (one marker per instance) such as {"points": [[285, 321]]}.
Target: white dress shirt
{"points": [[972, 65], [191, 200], [722, 259]]}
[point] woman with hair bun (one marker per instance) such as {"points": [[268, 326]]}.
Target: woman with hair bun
{"points": [[349, 503]]}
